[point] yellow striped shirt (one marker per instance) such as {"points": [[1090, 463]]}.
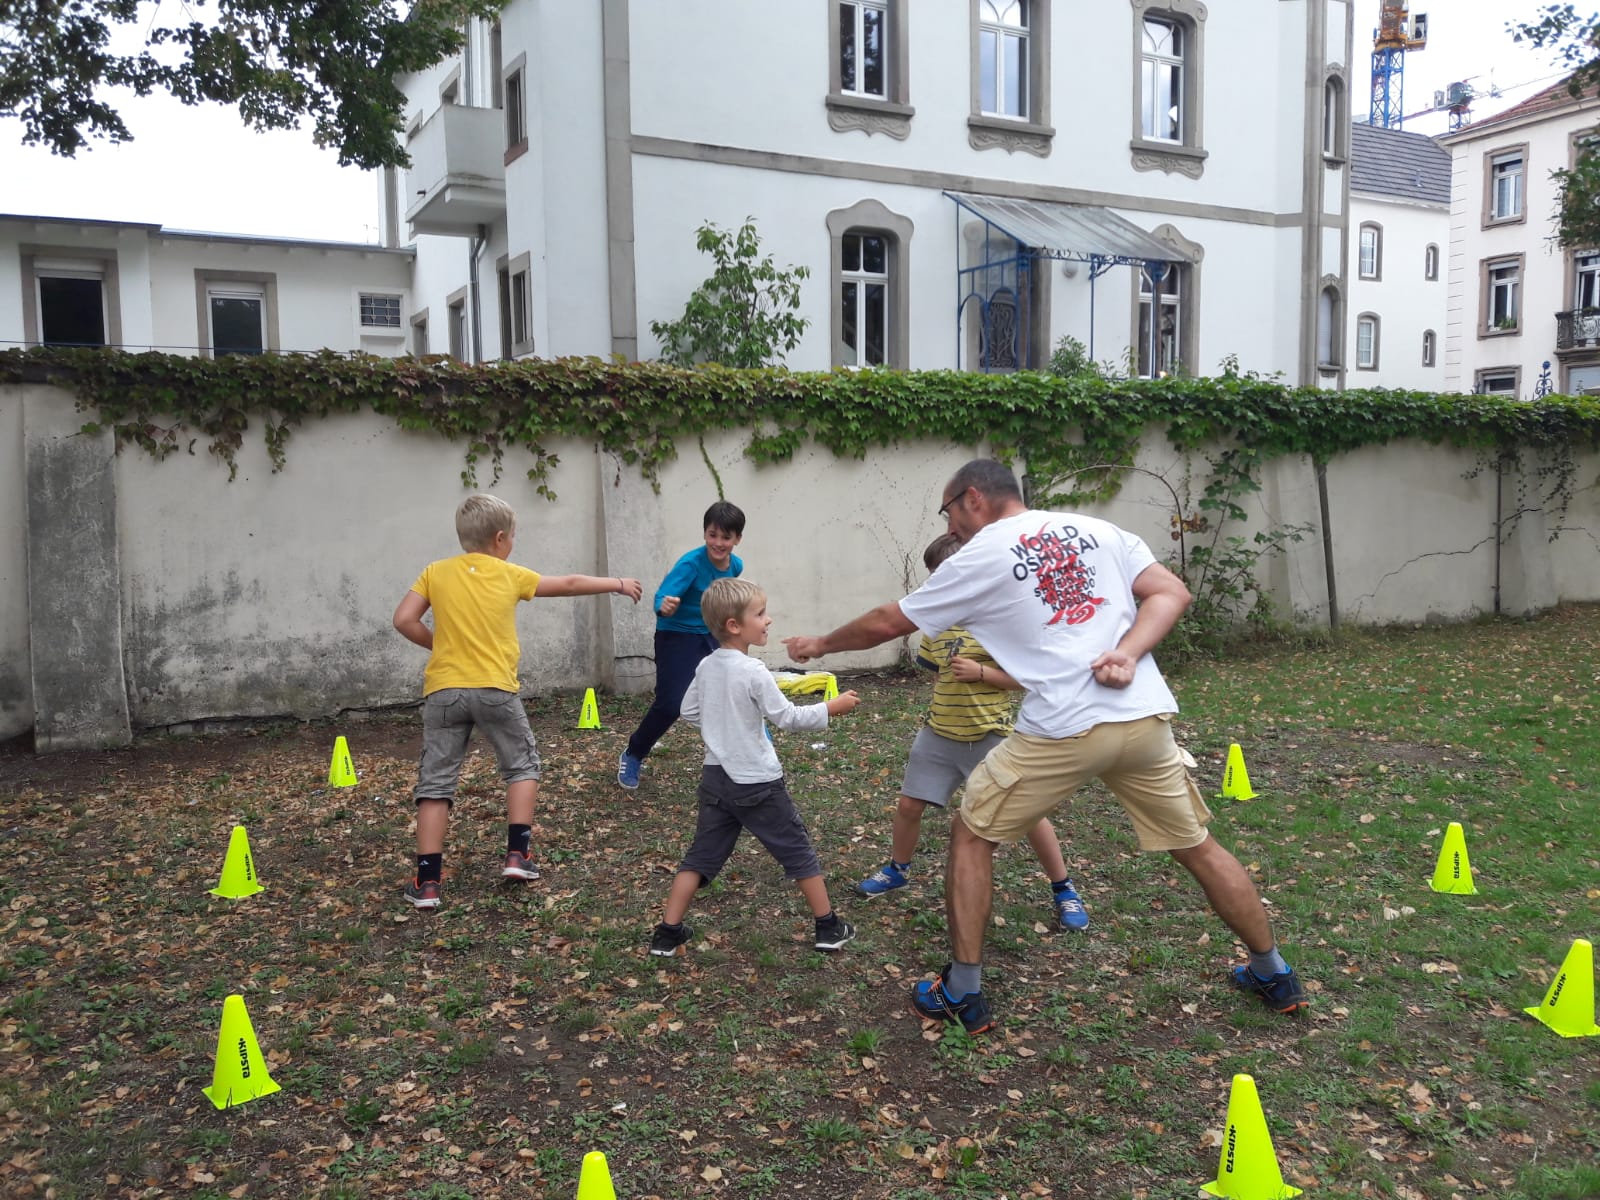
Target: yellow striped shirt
{"points": [[963, 712]]}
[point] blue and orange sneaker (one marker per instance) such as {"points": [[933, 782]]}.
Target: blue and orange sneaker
{"points": [[1282, 993], [931, 1000]]}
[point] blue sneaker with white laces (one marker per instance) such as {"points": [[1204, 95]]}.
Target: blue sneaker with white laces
{"points": [[628, 770], [885, 879], [1069, 907]]}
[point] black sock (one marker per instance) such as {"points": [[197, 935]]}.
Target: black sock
{"points": [[430, 867], [518, 838], [827, 921], [1062, 885]]}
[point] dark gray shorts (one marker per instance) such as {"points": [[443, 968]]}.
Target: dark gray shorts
{"points": [[448, 719], [939, 765], [765, 809]]}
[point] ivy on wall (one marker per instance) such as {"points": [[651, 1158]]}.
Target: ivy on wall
{"points": [[169, 404]]}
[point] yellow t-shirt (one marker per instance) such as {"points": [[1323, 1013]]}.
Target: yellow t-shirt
{"points": [[962, 712], [474, 601]]}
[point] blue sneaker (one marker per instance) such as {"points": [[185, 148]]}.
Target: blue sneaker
{"points": [[885, 879], [628, 771], [1282, 993], [1069, 907], [931, 1001]]}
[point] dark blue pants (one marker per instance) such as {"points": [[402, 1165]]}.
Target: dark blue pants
{"points": [[677, 656]]}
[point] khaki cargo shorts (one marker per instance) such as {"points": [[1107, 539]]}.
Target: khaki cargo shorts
{"points": [[1027, 777]]}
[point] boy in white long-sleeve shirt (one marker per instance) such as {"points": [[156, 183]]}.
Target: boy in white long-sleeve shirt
{"points": [[741, 786]]}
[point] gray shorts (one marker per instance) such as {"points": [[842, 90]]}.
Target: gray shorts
{"points": [[939, 765], [765, 809], [448, 719]]}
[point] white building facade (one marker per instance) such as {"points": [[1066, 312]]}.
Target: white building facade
{"points": [[1524, 313], [1399, 241], [142, 287], [965, 183]]}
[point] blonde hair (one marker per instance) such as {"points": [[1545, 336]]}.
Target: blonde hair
{"points": [[725, 600], [479, 518]]}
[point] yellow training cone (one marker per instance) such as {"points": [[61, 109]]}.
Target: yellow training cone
{"points": [[1236, 780], [1453, 874], [1249, 1168], [241, 1072], [589, 715], [831, 690], [341, 770], [1568, 1006], [594, 1183], [238, 869]]}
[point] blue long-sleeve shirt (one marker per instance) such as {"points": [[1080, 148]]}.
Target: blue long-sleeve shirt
{"points": [[690, 576]]}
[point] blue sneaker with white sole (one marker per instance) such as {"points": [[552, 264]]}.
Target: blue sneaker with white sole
{"points": [[885, 879], [1069, 907], [628, 770]]}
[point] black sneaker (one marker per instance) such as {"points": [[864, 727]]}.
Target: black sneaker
{"points": [[667, 942], [1282, 993], [931, 1001], [423, 895], [519, 866], [835, 933]]}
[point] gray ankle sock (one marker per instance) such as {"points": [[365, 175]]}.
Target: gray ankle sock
{"points": [[963, 979], [1265, 966]]}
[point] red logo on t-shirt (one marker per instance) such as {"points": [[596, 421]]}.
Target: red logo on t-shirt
{"points": [[1063, 582]]}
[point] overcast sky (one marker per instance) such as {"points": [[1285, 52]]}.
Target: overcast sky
{"points": [[198, 168]]}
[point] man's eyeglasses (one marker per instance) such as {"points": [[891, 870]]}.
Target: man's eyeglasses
{"points": [[944, 509]]}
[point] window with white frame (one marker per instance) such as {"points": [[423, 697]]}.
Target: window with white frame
{"points": [[1503, 295], [1162, 301], [1586, 282], [1003, 58], [380, 310], [1367, 342], [1371, 251], [1498, 381], [1162, 67], [71, 298], [1430, 347], [864, 49], [1505, 186], [237, 318], [863, 299], [1430, 262]]}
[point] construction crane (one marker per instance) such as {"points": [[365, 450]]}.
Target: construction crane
{"points": [[1398, 31]]}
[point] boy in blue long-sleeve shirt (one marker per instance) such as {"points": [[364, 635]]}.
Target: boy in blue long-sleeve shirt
{"points": [[682, 638]]}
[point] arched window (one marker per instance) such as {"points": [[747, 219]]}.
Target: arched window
{"points": [[869, 249], [1430, 262], [1371, 251], [1430, 347], [1335, 118], [1367, 342], [1330, 315]]}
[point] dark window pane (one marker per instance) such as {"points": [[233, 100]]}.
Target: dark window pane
{"points": [[1016, 77], [847, 47], [847, 335], [71, 312], [877, 322], [851, 249], [235, 325], [874, 255], [380, 311], [872, 51]]}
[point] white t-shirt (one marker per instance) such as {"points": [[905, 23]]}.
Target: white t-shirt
{"points": [[1047, 594], [730, 697]]}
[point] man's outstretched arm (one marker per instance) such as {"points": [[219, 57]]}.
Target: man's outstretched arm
{"points": [[872, 628]]}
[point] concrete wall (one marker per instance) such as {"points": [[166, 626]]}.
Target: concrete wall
{"points": [[152, 594]]}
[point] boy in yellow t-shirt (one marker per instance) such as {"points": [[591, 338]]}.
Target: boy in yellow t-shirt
{"points": [[471, 680], [970, 715]]}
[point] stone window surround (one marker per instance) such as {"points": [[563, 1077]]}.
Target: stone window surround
{"points": [[1487, 221], [1430, 348], [1188, 157], [1377, 335], [1377, 251], [1430, 262], [110, 291], [205, 279], [1336, 79], [518, 66], [1034, 135], [506, 270], [891, 115], [1514, 371], [1188, 296], [1569, 276], [1499, 260], [874, 216], [419, 325], [458, 299], [1334, 363]]}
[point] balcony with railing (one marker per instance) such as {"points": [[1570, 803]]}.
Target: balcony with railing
{"points": [[1578, 330], [457, 178]]}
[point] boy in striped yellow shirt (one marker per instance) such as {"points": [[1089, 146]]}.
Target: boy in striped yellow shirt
{"points": [[970, 714]]}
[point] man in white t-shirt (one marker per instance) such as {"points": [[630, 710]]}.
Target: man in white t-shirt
{"points": [[1071, 607]]}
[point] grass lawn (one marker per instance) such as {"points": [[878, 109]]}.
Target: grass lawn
{"points": [[482, 1049]]}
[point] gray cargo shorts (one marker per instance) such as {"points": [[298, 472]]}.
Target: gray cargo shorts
{"points": [[448, 719]]}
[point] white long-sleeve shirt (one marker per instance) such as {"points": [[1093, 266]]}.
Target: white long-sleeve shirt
{"points": [[728, 699]]}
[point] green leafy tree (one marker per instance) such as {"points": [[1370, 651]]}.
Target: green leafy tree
{"points": [[1574, 39], [745, 315], [330, 62]]}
